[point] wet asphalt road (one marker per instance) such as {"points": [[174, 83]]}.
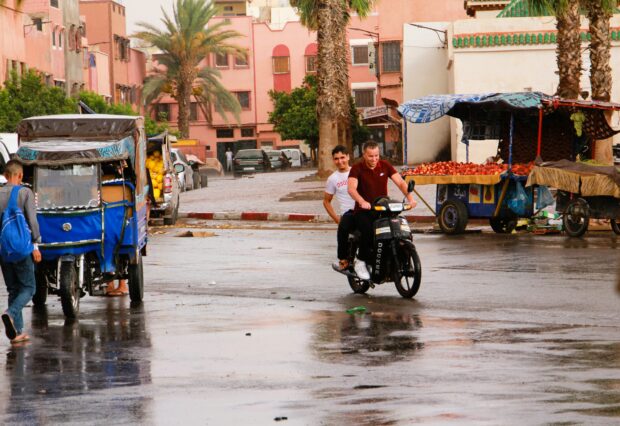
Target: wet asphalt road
{"points": [[249, 325]]}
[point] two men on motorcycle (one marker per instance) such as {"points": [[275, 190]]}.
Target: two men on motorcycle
{"points": [[368, 180]]}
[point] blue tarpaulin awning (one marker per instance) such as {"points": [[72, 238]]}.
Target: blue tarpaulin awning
{"points": [[433, 107]]}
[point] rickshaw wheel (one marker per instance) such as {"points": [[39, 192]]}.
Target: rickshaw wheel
{"points": [[136, 281], [453, 217], [40, 295], [576, 218], [614, 226], [69, 290], [503, 225]]}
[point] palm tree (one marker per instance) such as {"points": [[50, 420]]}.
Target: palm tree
{"points": [[569, 42], [186, 42], [599, 13], [330, 18]]}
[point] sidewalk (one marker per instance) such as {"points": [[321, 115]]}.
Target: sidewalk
{"points": [[275, 196]]}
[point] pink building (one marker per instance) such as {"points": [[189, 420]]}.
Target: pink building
{"points": [[106, 28], [280, 56], [12, 42]]}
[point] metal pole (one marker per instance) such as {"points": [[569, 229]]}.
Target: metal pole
{"points": [[405, 160], [540, 124], [512, 128]]}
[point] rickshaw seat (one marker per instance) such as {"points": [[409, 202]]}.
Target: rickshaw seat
{"points": [[116, 193]]}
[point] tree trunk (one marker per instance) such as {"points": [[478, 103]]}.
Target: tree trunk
{"points": [[333, 80], [569, 51], [600, 71], [184, 98]]}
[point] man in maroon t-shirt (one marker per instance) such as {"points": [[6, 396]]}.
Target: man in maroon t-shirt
{"points": [[368, 181]]}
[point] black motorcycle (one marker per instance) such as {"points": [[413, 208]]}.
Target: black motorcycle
{"points": [[394, 255]]}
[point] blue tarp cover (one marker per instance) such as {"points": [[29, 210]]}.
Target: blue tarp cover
{"points": [[65, 152], [430, 108]]}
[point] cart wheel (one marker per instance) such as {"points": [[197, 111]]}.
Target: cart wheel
{"points": [[614, 226], [503, 225], [453, 217], [576, 217]]}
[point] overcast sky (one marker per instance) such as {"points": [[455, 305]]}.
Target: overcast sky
{"points": [[144, 10]]}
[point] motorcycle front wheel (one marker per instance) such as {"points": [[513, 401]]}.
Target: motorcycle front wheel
{"points": [[408, 275]]}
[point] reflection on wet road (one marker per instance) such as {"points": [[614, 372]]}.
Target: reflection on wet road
{"points": [[250, 325], [67, 359]]}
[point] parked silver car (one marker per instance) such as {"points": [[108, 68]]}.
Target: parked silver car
{"points": [[186, 177]]}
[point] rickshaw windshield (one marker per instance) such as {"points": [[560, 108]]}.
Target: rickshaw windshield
{"points": [[67, 186]]}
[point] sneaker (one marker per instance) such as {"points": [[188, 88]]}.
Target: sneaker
{"points": [[342, 265], [361, 270]]}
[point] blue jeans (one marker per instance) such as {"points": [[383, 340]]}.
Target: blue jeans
{"points": [[21, 285]]}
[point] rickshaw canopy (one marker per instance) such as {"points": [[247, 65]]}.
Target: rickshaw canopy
{"points": [[77, 126], [54, 152]]}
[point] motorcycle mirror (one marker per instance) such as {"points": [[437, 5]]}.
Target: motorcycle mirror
{"points": [[411, 186]]}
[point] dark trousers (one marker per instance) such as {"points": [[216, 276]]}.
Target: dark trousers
{"points": [[364, 221], [20, 284], [345, 227]]}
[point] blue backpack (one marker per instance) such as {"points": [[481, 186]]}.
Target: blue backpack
{"points": [[15, 237]]}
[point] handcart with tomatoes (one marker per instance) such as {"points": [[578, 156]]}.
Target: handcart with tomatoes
{"points": [[467, 190], [530, 127]]}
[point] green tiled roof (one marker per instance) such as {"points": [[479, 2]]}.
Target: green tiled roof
{"points": [[460, 41], [519, 9]]}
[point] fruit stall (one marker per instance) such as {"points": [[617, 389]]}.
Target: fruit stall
{"points": [[467, 190], [528, 126]]}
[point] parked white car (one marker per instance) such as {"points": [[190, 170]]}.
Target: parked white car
{"points": [[294, 156], [5, 156], [186, 177]]}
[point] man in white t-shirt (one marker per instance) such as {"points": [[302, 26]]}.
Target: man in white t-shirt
{"points": [[337, 185], [229, 160]]}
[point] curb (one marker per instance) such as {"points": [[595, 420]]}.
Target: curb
{"points": [[280, 217]]}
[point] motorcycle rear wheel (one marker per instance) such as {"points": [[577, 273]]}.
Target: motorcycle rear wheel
{"points": [[408, 277], [358, 286]]}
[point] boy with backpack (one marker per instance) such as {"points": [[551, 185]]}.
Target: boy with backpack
{"points": [[19, 236]]}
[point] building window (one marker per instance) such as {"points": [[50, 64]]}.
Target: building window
{"points": [[241, 62], [193, 111], [391, 56], [38, 24], [360, 55], [54, 38], [281, 65], [364, 98], [54, 3], [311, 64], [244, 99], [162, 112], [225, 133], [228, 8], [247, 132], [60, 34], [221, 60], [71, 39]]}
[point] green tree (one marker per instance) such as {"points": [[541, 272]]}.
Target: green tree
{"points": [[569, 42], [330, 19], [294, 115], [186, 42], [98, 104], [26, 96]]}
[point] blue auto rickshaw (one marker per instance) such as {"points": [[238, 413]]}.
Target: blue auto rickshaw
{"points": [[89, 177]]}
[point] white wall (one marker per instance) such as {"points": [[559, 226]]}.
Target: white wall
{"points": [[425, 65], [511, 68]]}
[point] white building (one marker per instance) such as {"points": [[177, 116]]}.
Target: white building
{"points": [[501, 50]]}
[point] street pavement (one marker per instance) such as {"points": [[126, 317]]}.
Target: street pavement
{"points": [[245, 323], [267, 192]]}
